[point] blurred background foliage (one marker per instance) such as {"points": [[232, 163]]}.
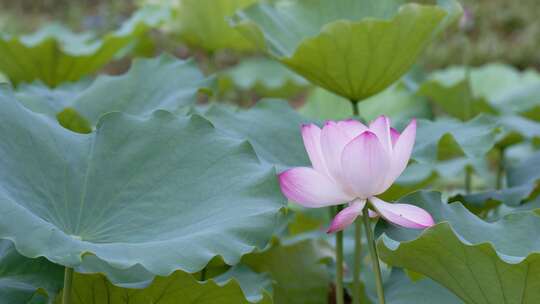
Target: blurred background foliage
{"points": [[492, 30]]}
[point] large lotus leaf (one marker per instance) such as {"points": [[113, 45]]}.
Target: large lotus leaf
{"points": [[137, 277], [203, 24], [352, 48], [133, 277], [478, 261], [159, 83], [265, 77], [298, 271], [464, 92], [272, 127], [54, 54], [180, 287], [397, 102], [162, 191], [23, 280]]}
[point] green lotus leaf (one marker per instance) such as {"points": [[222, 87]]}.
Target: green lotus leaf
{"points": [[137, 277], [517, 129], [297, 269], [455, 99], [513, 196], [504, 210], [525, 172], [271, 126], [265, 77], [397, 102], [506, 88], [3, 78], [179, 287], [451, 174], [24, 280], [464, 92], [480, 262], [522, 98], [134, 277], [163, 191], [55, 55], [203, 24], [354, 49], [446, 139], [492, 205], [160, 83]]}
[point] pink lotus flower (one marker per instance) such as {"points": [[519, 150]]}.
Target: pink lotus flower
{"points": [[352, 164]]}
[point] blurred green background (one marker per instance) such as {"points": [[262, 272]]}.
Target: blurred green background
{"points": [[492, 30]]}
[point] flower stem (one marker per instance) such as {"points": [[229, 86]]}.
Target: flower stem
{"points": [[374, 256], [357, 260], [68, 281], [339, 263]]}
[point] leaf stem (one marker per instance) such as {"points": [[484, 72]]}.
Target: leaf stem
{"points": [[468, 180], [68, 282], [354, 104], [339, 263], [203, 274], [357, 260], [374, 255], [500, 170]]}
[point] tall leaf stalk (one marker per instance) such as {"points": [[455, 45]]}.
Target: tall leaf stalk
{"points": [[356, 288], [68, 282]]}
